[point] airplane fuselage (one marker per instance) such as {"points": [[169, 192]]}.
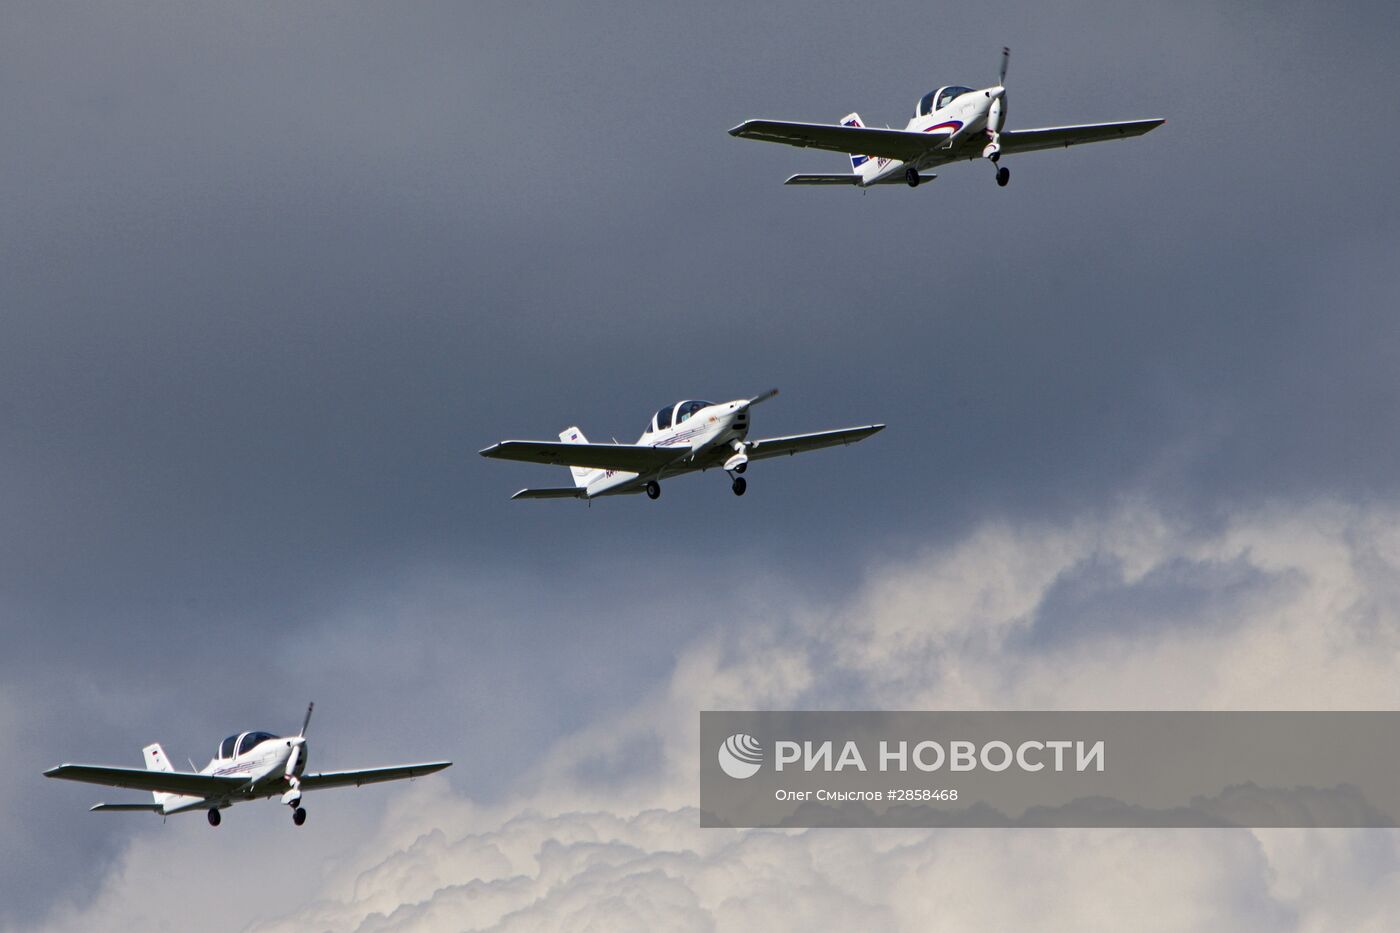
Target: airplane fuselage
{"points": [[725, 424], [965, 117], [264, 765]]}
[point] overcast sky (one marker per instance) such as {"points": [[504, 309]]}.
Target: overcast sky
{"points": [[273, 275]]}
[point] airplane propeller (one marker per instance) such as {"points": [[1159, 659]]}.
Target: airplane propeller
{"points": [[996, 119], [740, 460], [293, 796], [758, 398]]}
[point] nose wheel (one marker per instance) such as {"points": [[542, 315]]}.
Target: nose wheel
{"points": [[653, 489], [214, 818], [299, 816], [1003, 175], [740, 484]]}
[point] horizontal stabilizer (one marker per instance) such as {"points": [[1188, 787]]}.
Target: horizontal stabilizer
{"points": [[552, 492], [848, 180], [125, 808]]}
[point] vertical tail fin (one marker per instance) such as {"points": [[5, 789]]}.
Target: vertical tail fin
{"points": [[156, 761], [582, 475], [853, 119]]}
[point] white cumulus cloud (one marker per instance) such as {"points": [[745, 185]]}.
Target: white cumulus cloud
{"points": [[1286, 609]]}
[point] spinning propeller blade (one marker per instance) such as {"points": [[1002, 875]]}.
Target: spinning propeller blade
{"points": [[305, 722], [760, 398], [996, 119]]}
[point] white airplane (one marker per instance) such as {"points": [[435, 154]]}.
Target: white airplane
{"points": [[680, 438], [950, 124], [248, 766]]}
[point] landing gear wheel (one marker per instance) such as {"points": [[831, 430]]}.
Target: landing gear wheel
{"points": [[653, 489], [740, 484], [214, 818], [911, 177], [299, 816], [1003, 176]]}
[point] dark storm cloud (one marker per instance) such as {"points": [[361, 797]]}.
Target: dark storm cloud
{"points": [[273, 275]]}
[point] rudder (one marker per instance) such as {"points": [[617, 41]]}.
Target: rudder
{"points": [[853, 119], [582, 475], [156, 760]]}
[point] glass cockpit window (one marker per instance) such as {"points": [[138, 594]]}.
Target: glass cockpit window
{"points": [[949, 93], [685, 409], [226, 746], [252, 739], [663, 418], [926, 104]]}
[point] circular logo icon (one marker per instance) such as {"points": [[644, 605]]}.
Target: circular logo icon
{"points": [[740, 756]]}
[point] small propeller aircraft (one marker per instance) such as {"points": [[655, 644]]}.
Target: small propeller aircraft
{"points": [[248, 766], [680, 438], [950, 124]]}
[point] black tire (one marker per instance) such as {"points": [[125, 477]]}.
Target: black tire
{"points": [[653, 489], [1003, 176], [298, 816], [911, 177], [740, 484], [214, 818]]}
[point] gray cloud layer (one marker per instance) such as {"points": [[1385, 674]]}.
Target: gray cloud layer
{"points": [[273, 275]]}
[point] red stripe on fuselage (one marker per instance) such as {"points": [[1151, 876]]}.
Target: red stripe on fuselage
{"points": [[954, 125]]}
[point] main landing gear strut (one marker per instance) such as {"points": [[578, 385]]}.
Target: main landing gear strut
{"points": [[740, 484]]}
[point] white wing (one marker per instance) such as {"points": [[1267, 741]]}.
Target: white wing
{"points": [[184, 783], [904, 145], [627, 458], [1057, 137], [798, 443], [370, 775]]}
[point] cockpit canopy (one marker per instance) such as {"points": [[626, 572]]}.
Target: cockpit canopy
{"points": [[231, 746], [675, 414], [937, 100]]}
